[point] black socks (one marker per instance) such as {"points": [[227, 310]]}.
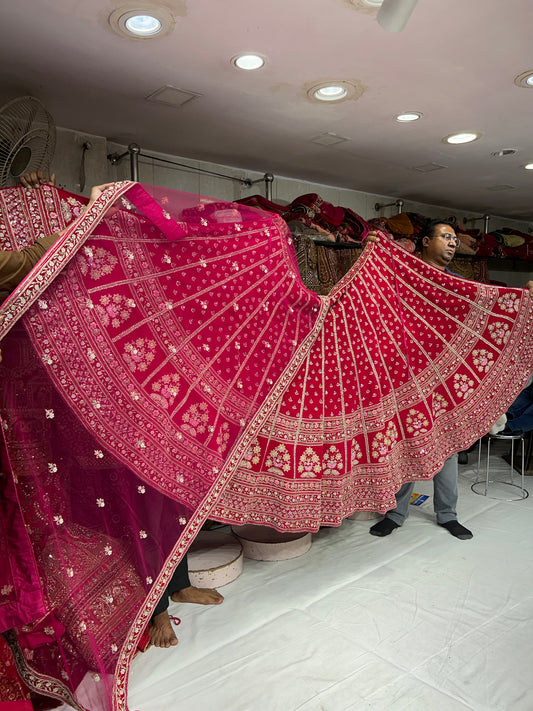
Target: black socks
{"points": [[386, 526], [455, 528], [383, 527]]}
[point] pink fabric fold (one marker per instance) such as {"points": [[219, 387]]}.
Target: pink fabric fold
{"points": [[165, 363]]}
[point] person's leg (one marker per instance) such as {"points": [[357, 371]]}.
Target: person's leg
{"points": [[522, 422], [445, 496], [522, 402], [520, 413], [395, 517], [161, 631]]}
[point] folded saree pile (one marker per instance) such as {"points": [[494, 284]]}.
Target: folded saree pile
{"points": [[164, 363]]}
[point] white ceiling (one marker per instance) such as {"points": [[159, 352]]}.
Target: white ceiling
{"points": [[455, 62]]}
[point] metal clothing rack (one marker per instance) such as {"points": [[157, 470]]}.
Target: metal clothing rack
{"points": [[485, 218], [380, 205], [134, 151]]}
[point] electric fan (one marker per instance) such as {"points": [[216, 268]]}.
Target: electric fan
{"points": [[27, 138]]}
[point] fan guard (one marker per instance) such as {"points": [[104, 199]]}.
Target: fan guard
{"points": [[27, 138]]}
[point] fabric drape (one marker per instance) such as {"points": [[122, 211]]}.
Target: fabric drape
{"points": [[164, 363]]}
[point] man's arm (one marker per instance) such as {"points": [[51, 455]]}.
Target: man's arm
{"points": [[14, 265]]}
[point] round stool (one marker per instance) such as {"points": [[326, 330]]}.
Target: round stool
{"points": [[364, 516], [215, 559], [263, 543], [499, 488]]}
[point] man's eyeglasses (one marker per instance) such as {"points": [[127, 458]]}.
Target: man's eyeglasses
{"points": [[453, 239]]}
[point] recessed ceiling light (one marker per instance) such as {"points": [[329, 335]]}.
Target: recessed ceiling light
{"points": [[334, 92], [142, 22], [143, 25], [337, 90], [529, 166], [408, 116], [465, 137], [373, 3], [248, 61], [525, 80]]}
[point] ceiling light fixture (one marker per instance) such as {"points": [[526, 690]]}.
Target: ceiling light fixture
{"points": [[373, 3], [141, 22], [458, 138], [394, 14], [143, 25], [408, 116], [525, 80], [248, 61], [335, 91], [529, 166]]}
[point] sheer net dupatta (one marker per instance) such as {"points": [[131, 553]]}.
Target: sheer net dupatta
{"points": [[170, 364], [140, 367]]}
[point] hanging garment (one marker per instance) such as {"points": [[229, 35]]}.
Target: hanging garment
{"points": [[164, 363]]}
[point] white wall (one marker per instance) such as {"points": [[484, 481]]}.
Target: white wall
{"points": [[98, 169]]}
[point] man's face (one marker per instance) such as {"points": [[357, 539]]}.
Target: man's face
{"points": [[439, 249]]}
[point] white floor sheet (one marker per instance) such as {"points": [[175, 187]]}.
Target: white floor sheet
{"points": [[416, 621]]}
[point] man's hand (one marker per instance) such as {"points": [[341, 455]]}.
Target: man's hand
{"points": [[372, 237], [96, 191], [36, 179], [529, 286]]}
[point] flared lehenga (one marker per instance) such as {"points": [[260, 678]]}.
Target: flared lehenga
{"points": [[164, 363]]}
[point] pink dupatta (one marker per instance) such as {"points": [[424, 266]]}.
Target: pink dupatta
{"points": [[171, 366]]}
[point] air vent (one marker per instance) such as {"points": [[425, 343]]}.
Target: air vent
{"points": [[170, 96], [504, 152], [329, 139], [429, 167]]}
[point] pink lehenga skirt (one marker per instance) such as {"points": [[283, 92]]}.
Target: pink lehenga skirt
{"points": [[164, 363]]}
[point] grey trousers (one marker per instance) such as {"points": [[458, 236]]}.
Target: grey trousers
{"points": [[444, 495]]}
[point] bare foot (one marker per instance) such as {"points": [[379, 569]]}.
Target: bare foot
{"points": [[161, 632], [201, 596]]}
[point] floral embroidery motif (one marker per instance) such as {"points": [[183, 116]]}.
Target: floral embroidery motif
{"points": [[98, 454], [309, 464], [483, 360], [114, 309], [356, 454], [383, 442], [332, 463], [139, 354], [166, 390], [417, 422], [96, 262], [195, 419], [49, 414], [223, 437], [509, 303], [100, 503], [499, 332], [252, 455], [440, 404], [463, 385], [278, 460]]}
